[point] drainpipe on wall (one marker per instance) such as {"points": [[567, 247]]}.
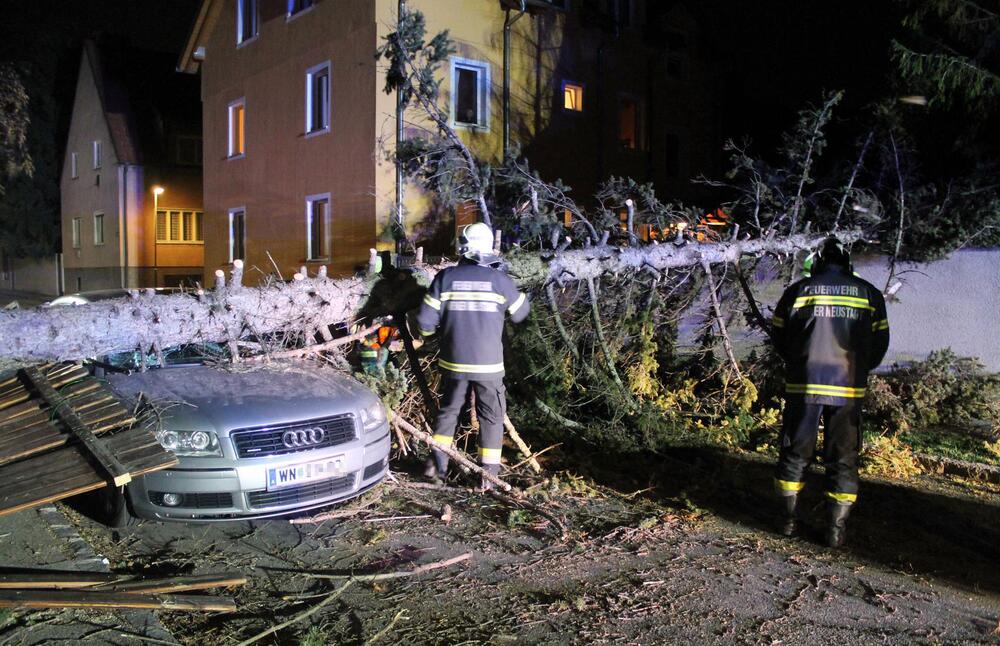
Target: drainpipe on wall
{"points": [[123, 223], [507, 23], [400, 109]]}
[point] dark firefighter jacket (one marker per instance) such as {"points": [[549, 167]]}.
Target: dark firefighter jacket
{"points": [[468, 303], [831, 329]]}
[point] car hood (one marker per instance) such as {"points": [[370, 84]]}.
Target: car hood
{"points": [[198, 397]]}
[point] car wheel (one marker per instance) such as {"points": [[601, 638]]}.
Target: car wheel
{"points": [[115, 508]]}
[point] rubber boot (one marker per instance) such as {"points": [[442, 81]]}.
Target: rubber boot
{"points": [[836, 531], [789, 515], [492, 469], [436, 467]]}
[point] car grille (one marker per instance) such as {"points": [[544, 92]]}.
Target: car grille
{"points": [[373, 470], [264, 441], [196, 500], [301, 493]]}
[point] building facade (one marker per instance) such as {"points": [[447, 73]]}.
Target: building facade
{"points": [[131, 183], [299, 132]]}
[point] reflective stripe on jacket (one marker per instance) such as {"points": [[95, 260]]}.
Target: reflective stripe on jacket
{"points": [[831, 329], [467, 304]]}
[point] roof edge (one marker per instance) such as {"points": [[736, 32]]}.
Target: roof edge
{"points": [[203, 24]]}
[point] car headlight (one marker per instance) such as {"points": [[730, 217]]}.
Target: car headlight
{"points": [[190, 443], [372, 416]]}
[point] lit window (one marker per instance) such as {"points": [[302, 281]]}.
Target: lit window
{"points": [[237, 234], [178, 226], [572, 97], [74, 165], [98, 228], [318, 98], [297, 6], [318, 227], [246, 20], [629, 124], [237, 128], [76, 232], [97, 153], [470, 93]]}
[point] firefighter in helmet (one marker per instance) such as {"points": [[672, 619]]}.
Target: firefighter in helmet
{"points": [[468, 303], [831, 329]]}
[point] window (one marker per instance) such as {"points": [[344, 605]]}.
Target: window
{"points": [[176, 225], [621, 11], [318, 98], [629, 124], [188, 150], [676, 60], [97, 153], [572, 97], [98, 229], [237, 234], [246, 20], [76, 232], [298, 6], [672, 149], [237, 128], [74, 165], [470, 93], [318, 227]]}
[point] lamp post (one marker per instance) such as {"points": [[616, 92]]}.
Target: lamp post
{"points": [[157, 192]]}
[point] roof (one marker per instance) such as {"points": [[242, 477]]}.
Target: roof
{"points": [[144, 100], [194, 49]]}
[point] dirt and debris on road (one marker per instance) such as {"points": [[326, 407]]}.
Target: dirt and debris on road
{"points": [[663, 565]]}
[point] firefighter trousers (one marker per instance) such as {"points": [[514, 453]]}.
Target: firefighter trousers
{"points": [[491, 406], [841, 445]]}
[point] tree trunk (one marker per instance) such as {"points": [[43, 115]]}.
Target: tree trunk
{"points": [[233, 312]]}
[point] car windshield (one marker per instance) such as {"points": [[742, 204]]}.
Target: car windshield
{"points": [[186, 354]]}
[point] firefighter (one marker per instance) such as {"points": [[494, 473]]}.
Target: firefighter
{"points": [[468, 304], [831, 329], [375, 348]]}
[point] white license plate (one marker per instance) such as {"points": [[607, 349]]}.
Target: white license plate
{"points": [[296, 474]]}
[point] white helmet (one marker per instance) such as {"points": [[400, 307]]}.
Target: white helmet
{"points": [[476, 240]]}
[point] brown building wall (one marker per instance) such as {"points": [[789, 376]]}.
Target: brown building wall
{"points": [[94, 190], [282, 166]]}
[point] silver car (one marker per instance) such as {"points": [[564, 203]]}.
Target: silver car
{"points": [[251, 443]]}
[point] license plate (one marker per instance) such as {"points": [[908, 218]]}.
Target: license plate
{"points": [[297, 474]]}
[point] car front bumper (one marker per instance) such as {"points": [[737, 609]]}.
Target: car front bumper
{"points": [[236, 489]]}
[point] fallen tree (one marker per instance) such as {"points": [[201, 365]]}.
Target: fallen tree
{"points": [[233, 312]]}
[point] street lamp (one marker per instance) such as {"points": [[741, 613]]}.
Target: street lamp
{"points": [[157, 192]]}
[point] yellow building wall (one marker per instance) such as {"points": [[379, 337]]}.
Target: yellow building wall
{"points": [[476, 30]]}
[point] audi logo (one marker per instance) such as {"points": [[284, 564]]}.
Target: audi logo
{"points": [[302, 437]]}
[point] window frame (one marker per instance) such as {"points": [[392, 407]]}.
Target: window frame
{"points": [[198, 143], [240, 11], [641, 143], [310, 201], [196, 215], [74, 166], [292, 15], [311, 74], [76, 233], [484, 91], [241, 210], [230, 108], [96, 154], [583, 93], [99, 217]]}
